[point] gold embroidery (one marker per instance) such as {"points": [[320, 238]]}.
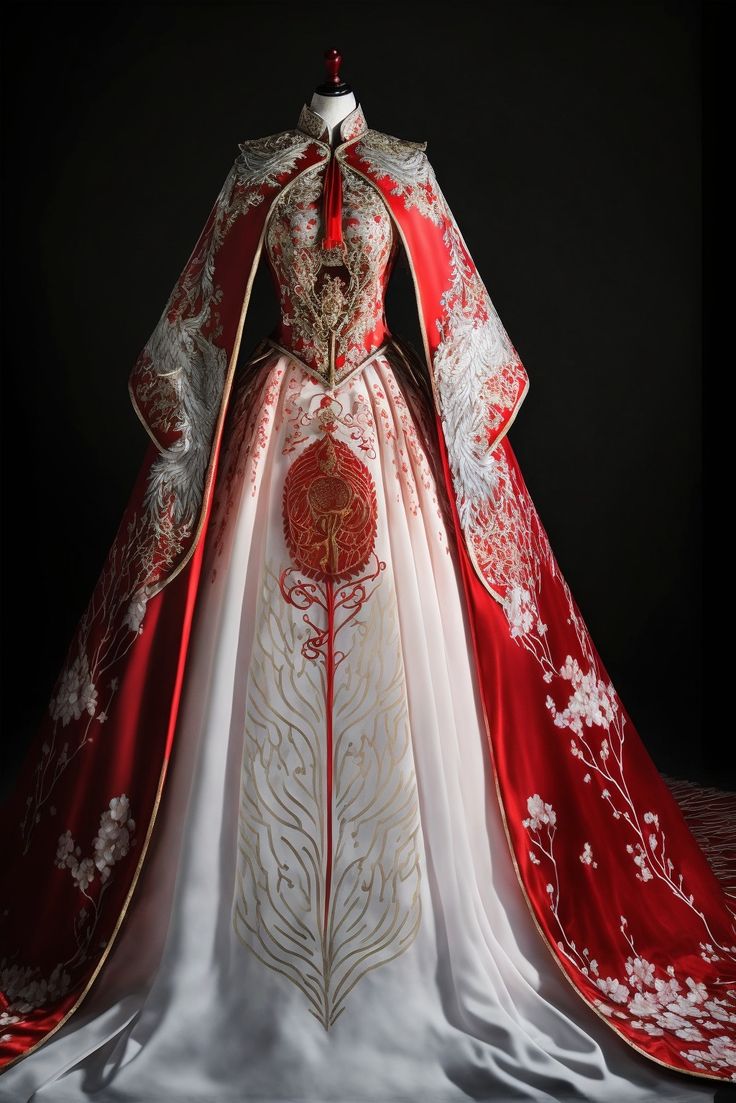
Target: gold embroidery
{"points": [[312, 123], [332, 299], [375, 903], [330, 512], [407, 165]]}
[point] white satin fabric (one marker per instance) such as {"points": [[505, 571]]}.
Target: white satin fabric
{"points": [[475, 1007]]}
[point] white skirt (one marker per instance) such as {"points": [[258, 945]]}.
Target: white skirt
{"points": [[432, 982]]}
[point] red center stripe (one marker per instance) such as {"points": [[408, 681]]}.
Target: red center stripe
{"points": [[332, 205]]}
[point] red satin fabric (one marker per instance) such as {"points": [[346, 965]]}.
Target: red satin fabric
{"points": [[531, 756], [332, 205], [129, 755]]}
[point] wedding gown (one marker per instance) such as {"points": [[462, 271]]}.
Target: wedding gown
{"points": [[329, 909]]}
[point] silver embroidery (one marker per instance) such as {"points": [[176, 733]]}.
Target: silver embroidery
{"points": [[478, 374], [182, 352], [407, 165], [262, 160], [311, 122]]}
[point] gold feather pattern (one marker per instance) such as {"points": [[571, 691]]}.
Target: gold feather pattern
{"points": [[375, 906]]}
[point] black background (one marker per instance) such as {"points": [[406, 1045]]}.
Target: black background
{"points": [[567, 140]]}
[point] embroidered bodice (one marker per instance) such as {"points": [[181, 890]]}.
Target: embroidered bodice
{"points": [[331, 299]]}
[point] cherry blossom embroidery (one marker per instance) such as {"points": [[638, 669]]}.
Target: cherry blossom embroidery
{"points": [[25, 987], [76, 694], [112, 622], [650, 998], [111, 843], [587, 856]]}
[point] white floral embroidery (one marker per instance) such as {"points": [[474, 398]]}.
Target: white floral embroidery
{"points": [[613, 989], [76, 694], [587, 856], [25, 988], [83, 873], [112, 842], [539, 813], [720, 1054], [520, 610], [592, 702], [640, 860], [513, 553], [109, 627], [658, 1002], [650, 999], [136, 611]]}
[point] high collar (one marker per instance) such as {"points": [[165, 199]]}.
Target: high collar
{"points": [[312, 123]]}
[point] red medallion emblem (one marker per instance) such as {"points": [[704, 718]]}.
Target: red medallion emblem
{"points": [[330, 512]]}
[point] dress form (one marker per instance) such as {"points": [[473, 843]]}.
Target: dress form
{"points": [[334, 99]]}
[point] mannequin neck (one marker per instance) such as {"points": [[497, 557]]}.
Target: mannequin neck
{"points": [[333, 109]]}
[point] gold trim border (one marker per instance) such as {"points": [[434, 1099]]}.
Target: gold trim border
{"points": [[320, 378], [141, 418]]}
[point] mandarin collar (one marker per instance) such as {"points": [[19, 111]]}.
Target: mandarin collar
{"points": [[312, 123]]}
